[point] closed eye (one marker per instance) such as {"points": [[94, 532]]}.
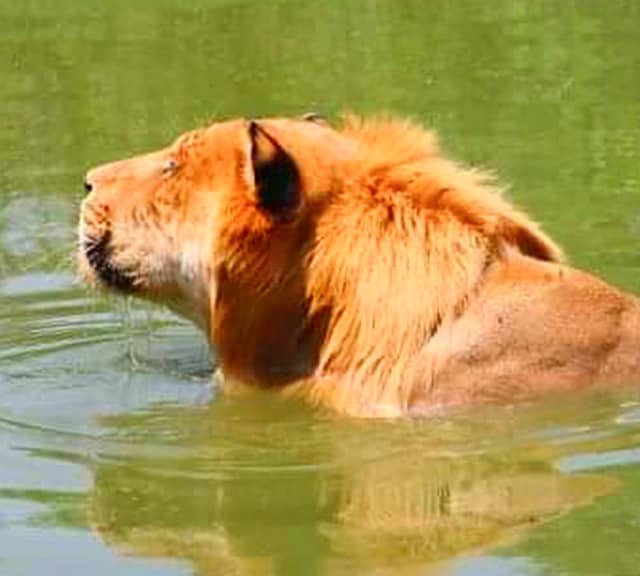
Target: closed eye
{"points": [[170, 166]]}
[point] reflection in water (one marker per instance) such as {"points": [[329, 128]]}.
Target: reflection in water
{"points": [[315, 496]]}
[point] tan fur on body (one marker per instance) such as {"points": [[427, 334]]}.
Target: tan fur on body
{"points": [[356, 266]]}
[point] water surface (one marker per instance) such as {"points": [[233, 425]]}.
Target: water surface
{"points": [[117, 455]]}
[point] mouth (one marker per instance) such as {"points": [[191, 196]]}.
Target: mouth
{"points": [[98, 253]]}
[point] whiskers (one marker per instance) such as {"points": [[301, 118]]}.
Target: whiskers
{"points": [[98, 253]]}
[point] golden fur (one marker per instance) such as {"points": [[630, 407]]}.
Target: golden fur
{"points": [[356, 266]]}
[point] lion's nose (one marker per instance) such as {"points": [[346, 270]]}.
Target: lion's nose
{"points": [[88, 186]]}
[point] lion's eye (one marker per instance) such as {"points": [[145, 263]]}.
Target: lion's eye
{"points": [[170, 166]]}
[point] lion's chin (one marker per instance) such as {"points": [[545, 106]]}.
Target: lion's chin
{"points": [[96, 266]]}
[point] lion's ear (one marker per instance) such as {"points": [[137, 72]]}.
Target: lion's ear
{"points": [[530, 239], [275, 174]]}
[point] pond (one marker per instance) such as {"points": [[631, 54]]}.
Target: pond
{"points": [[118, 455]]}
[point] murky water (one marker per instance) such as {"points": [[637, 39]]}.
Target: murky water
{"points": [[117, 456]]}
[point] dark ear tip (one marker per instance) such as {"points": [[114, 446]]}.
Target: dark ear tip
{"points": [[256, 133], [254, 128], [276, 175]]}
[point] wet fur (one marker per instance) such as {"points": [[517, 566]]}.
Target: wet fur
{"points": [[355, 266]]}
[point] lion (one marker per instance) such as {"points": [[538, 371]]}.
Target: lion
{"points": [[355, 266]]}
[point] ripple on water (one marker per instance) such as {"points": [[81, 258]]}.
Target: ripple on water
{"points": [[66, 358], [106, 413]]}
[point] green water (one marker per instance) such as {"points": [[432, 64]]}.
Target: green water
{"points": [[117, 455]]}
